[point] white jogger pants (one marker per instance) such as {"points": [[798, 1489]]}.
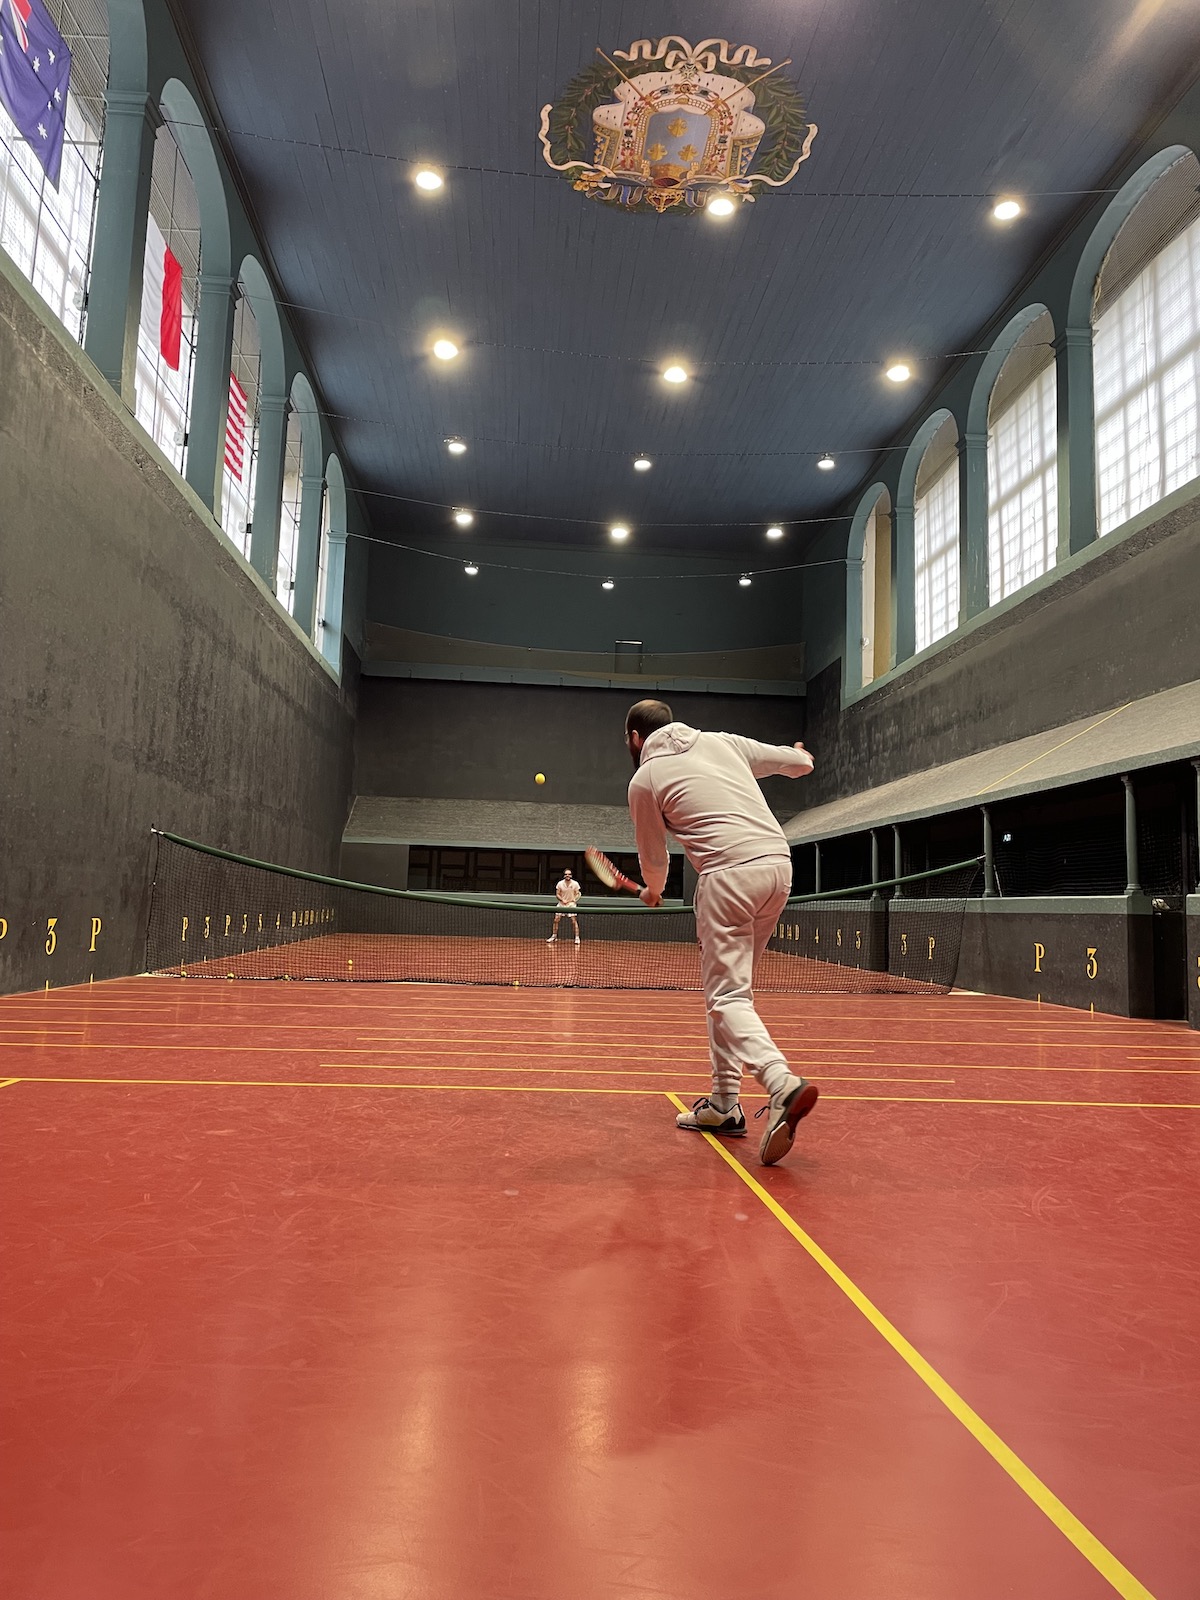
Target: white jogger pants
{"points": [[737, 910]]}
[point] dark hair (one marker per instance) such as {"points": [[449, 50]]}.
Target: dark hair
{"points": [[646, 717]]}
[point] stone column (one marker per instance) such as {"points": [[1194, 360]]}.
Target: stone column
{"points": [[210, 388], [308, 551], [268, 488], [114, 300]]}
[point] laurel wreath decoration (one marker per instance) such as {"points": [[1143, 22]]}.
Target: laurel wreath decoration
{"points": [[568, 138]]}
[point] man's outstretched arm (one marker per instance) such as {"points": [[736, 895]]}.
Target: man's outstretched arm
{"points": [[650, 833], [775, 760]]}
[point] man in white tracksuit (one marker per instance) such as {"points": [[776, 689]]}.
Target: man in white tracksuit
{"points": [[703, 787]]}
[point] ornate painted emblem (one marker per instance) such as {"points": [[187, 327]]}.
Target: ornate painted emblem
{"points": [[678, 125]]}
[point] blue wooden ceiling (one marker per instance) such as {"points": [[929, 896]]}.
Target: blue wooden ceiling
{"points": [[566, 309]]}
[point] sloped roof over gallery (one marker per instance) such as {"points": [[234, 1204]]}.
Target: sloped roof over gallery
{"points": [[566, 308]]}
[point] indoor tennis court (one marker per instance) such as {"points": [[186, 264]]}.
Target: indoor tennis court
{"points": [[600, 800], [416, 1290]]}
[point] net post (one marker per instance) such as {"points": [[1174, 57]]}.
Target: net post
{"points": [[989, 856], [1196, 769], [897, 858], [817, 879], [1132, 886], [875, 893]]}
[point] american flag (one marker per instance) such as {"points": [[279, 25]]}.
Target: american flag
{"points": [[235, 429]]}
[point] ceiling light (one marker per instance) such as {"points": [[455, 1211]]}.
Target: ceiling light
{"points": [[608, 584], [775, 533], [619, 531], [1006, 210], [445, 350], [464, 518], [675, 375], [826, 463], [898, 372], [456, 447], [744, 581], [426, 178], [471, 570], [642, 464], [721, 205]]}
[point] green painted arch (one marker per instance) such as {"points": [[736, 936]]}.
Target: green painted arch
{"points": [[907, 482], [190, 132], [993, 364], [1112, 220], [855, 544], [335, 487], [304, 404], [254, 284]]}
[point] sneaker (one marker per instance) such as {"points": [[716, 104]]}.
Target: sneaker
{"points": [[577, 941], [704, 1117], [785, 1114], [553, 939]]}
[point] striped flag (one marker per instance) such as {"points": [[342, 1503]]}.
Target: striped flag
{"points": [[235, 429]]}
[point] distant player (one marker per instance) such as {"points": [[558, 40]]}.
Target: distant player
{"points": [[704, 788], [568, 894]]}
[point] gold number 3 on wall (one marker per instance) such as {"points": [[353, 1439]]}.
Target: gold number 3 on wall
{"points": [[1093, 966]]}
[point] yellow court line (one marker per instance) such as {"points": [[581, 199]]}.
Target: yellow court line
{"points": [[6, 1083], [542, 1088], [1067, 1523], [701, 1070], [1033, 761]]}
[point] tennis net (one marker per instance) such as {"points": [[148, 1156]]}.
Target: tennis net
{"points": [[214, 914]]}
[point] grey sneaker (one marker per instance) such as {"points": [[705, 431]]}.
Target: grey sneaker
{"points": [[704, 1117], [786, 1112]]}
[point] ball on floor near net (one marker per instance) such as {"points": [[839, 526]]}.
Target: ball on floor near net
{"points": [[539, 777]]}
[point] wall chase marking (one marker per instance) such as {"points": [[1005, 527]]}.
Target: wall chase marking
{"points": [[677, 126]]}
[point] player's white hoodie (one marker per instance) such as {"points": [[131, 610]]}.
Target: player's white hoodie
{"points": [[702, 786]]}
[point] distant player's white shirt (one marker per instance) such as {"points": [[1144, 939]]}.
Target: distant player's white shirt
{"points": [[568, 893]]}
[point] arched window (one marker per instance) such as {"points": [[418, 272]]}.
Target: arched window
{"points": [[1146, 348], [167, 329], [935, 537], [289, 514], [876, 589], [1023, 463], [240, 470], [46, 226]]}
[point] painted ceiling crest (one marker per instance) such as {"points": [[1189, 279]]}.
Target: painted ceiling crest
{"points": [[671, 124]]}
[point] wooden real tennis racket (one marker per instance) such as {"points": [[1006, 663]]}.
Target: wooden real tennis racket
{"points": [[607, 871]]}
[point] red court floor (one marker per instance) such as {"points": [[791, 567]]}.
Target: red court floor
{"points": [[330, 1293]]}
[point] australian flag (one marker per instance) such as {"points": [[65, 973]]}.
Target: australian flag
{"points": [[35, 74]]}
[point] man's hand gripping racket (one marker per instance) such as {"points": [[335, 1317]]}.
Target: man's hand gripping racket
{"points": [[613, 878]]}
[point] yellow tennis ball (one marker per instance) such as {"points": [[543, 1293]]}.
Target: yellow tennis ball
{"points": [[539, 777], [516, 983]]}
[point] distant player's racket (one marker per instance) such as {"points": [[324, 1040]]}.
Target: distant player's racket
{"points": [[608, 873]]}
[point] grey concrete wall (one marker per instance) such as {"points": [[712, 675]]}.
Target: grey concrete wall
{"points": [[485, 741], [148, 677], [1122, 624]]}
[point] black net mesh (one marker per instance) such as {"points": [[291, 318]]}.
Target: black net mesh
{"points": [[216, 915]]}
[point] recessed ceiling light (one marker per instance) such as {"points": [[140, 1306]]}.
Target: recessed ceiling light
{"points": [[1006, 210], [826, 463], [445, 350], [464, 518], [456, 447], [426, 178], [675, 375], [721, 205], [608, 584], [619, 531], [744, 581], [471, 570], [898, 372], [642, 464], [775, 533]]}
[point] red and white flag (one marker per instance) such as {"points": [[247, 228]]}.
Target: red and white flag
{"points": [[235, 429], [162, 296]]}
